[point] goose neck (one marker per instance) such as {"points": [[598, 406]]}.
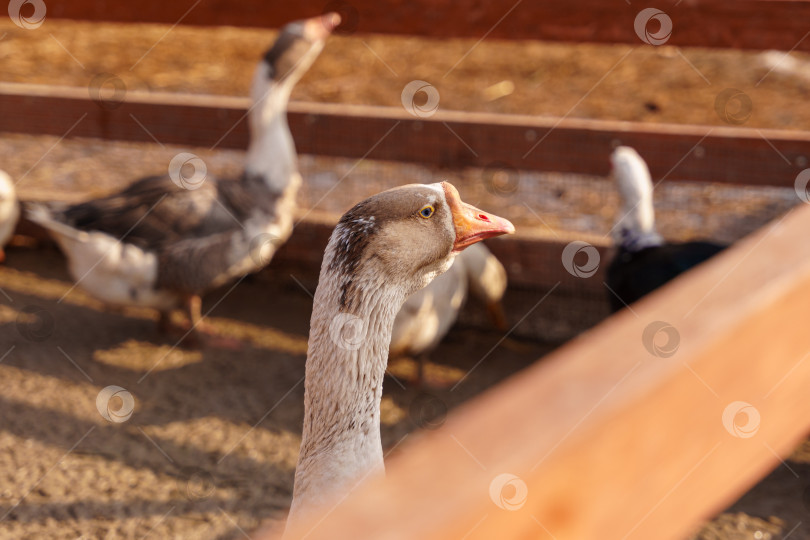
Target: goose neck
{"points": [[271, 152], [346, 363]]}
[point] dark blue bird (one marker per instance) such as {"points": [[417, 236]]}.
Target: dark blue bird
{"points": [[644, 261]]}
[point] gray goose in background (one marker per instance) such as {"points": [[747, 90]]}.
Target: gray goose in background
{"points": [[160, 242], [427, 316]]}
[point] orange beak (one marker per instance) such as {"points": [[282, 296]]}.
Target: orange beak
{"points": [[473, 225], [319, 28]]}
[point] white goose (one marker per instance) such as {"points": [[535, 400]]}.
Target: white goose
{"points": [[428, 314], [9, 211], [383, 250], [160, 245], [644, 261]]}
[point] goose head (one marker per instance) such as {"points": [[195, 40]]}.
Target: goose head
{"points": [[382, 250], [295, 50], [632, 177], [405, 237]]}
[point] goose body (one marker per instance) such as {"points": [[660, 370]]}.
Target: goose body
{"points": [[9, 211], [165, 240], [176, 243], [428, 314], [643, 260], [382, 251]]}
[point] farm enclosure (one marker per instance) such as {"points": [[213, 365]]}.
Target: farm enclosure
{"points": [[743, 154]]}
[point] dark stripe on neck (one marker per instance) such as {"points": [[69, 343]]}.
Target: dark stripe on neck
{"points": [[353, 234]]}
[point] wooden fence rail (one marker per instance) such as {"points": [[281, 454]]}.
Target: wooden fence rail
{"points": [[448, 138], [625, 432], [748, 24]]}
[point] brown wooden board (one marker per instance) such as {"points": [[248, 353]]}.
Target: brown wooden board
{"points": [[622, 433], [749, 24], [447, 139]]}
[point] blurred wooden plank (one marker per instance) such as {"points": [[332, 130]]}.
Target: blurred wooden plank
{"points": [[450, 139], [610, 440], [748, 24]]}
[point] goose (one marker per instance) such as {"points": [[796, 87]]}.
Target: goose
{"points": [[644, 261], [384, 249], [428, 314], [9, 211], [165, 240]]}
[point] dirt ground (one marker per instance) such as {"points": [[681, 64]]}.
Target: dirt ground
{"points": [[621, 82], [210, 448]]}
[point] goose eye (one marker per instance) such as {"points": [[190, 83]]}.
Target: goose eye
{"points": [[426, 211]]}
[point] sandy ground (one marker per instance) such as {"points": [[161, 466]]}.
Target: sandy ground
{"points": [[622, 82], [211, 445], [210, 448]]}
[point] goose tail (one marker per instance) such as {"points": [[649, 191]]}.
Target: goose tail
{"points": [[47, 217]]}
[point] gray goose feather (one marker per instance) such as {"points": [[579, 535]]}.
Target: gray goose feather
{"points": [[158, 244], [202, 238]]}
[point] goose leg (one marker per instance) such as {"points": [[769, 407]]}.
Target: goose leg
{"points": [[189, 333], [497, 315], [194, 311], [421, 360], [426, 381], [500, 322], [201, 332]]}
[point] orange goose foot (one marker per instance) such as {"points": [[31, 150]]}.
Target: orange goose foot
{"points": [[195, 333]]}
